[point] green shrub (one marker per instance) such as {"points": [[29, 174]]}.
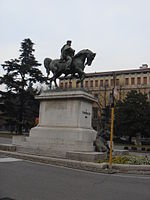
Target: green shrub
{"points": [[132, 160], [139, 160], [148, 149], [120, 160]]}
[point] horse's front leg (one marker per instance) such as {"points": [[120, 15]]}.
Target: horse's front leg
{"points": [[81, 76], [82, 79]]}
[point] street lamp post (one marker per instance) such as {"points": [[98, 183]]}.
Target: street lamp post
{"points": [[112, 119]]}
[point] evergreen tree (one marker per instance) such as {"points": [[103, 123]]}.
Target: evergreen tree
{"points": [[20, 76], [132, 115]]}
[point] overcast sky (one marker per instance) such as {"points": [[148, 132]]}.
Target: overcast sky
{"points": [[118, 31]]}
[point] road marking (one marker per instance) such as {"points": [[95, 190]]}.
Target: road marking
{"points": [[9, 159]]}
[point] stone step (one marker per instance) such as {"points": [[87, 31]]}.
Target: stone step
{"points": [[7, 147], [86, 156]]}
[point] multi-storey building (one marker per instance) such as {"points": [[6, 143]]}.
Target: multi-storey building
{"points": [[100, 84]]}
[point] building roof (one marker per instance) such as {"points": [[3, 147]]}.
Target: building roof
{"points": [[119, 72], [111, 73]]}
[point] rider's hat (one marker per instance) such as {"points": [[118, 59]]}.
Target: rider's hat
{"points": [[69, 41]]}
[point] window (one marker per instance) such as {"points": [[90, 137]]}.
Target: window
{"points": [[101, 83], [61, 85], [77, 85], [112, 82], [91, 83], [70, 84], [149, 96], [96, 83], [139, 80], [132, 81], [86, 84], [145, 80], [117, 82], [66, 85], [126, 81], [106, 83]]}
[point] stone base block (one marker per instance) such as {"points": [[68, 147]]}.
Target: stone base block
{"points": [[86, 156], [64, 124], [41, 151], [18, 139], [56, 141]]}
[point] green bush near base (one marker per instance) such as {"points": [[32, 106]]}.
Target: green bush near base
{"points": [[132, 160]]}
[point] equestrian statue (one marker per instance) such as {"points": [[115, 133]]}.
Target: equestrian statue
{"points": [[69, 64]]}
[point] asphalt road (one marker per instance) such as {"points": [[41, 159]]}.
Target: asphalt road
{"points": [[22, 180]]}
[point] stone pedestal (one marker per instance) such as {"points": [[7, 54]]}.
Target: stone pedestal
{"points": [[64, 124]]}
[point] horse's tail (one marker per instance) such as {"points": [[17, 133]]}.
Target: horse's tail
{"points": [[47, 62]]}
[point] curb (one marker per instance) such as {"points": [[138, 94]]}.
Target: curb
{"points": [[88, 166], [134, 169], [82, 165]]}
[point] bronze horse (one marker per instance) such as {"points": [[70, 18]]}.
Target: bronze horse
{"points": [[57, 67]]}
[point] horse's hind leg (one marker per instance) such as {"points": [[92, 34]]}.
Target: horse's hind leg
{"points": [[54, 79], [50, 85], [51, 80], [81, 77]]}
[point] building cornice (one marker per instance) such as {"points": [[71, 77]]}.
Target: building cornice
{"points": [[119, 72], [110, 73]]}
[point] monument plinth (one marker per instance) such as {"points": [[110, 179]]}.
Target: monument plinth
{"points": [[64, 124]]}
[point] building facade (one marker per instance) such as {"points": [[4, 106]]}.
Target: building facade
{"points": [[100, 85]]}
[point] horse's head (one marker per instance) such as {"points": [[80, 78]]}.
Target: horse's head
{"points": [[90, 57], [86, 54]]}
